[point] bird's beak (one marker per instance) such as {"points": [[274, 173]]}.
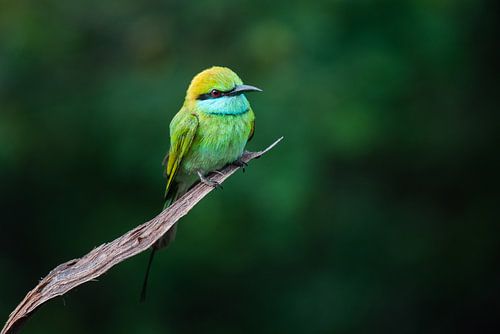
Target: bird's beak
{"points": [[240, 89]]}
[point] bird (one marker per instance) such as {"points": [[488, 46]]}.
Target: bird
{"points": [[211, 130]]}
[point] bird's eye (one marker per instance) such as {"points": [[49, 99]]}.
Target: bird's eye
{"points": [[215, 93]]}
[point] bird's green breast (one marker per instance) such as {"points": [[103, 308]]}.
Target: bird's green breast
{"points": [[220, 139]]}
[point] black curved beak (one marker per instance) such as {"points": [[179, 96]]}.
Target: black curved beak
{"points": [[240, 89]]}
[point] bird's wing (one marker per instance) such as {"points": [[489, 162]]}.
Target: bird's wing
{"points": [[182, 133]]}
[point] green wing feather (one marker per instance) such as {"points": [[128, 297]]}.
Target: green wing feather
{"points": [[182, 133]]}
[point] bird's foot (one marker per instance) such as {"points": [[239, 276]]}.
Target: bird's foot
{"points": [[206, 181], [240, 163]]}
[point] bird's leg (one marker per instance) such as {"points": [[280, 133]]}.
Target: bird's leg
{"points": [[208, 182], [240, 163]]}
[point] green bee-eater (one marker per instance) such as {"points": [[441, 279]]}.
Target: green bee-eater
{"points": [[210, 131]]}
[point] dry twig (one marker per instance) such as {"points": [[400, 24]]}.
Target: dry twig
{"points": [[71, 274]]}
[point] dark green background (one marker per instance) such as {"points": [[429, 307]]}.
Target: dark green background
{"points": [[378, 213]]}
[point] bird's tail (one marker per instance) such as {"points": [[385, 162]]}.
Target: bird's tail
{"points": [[171, 195]]}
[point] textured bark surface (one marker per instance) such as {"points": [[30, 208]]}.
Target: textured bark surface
{"points": [[73, 273]]}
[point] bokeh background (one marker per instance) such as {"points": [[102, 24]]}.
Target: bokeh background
{"points": [[377, 213]]}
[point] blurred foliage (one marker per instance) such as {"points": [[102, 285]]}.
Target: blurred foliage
{"points": [[378, 213]]}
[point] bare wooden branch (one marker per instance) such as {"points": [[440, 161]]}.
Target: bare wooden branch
{"points": [[71, 274]]}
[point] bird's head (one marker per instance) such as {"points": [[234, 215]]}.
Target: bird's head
{"points": [[218, 90]]}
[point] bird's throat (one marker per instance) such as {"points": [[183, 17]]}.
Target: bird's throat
{"points": [[226, 105]]}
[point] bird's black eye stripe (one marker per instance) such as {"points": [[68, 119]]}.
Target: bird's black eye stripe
{"points": [[209, 95], [204, 97]]}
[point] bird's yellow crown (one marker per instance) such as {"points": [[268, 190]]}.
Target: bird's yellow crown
{"points": [[216, 77]]}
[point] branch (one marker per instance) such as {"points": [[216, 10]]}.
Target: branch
{"points": [[71, 274]]}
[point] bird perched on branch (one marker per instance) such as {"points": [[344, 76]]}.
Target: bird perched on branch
{"points": [[210, 131]]}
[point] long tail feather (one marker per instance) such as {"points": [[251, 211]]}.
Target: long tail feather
{"points": [[171, 195], [142, 299]]}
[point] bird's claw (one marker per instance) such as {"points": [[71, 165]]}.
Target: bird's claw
{"points": [[240, 163], [208, 182], [213, 184], [218, 172]]}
